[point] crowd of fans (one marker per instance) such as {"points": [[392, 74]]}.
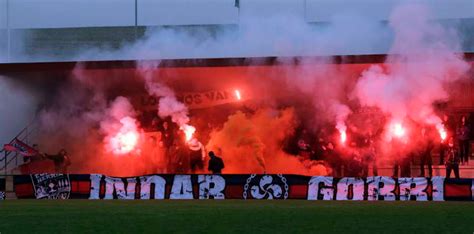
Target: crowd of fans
{"points": [[355, 157], [363, 151], [177, 154]]}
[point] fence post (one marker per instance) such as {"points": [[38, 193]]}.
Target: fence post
{"points": [[5, 159]]}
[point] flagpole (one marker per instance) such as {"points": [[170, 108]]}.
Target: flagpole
{"points": [[136, 20], [8, 32], [237, 4]]}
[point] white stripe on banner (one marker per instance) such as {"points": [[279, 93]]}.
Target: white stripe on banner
{"points": [[472, 189]]}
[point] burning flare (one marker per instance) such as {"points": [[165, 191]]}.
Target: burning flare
{"points": [[443, 134], [237, 94], [126, 139], [188, 131], [398, 130], [341, 127]]}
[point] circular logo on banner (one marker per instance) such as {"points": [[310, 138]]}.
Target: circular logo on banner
{"points": [[266, 187]]}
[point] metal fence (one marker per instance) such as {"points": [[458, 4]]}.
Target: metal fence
{"points": [[9, 161]]}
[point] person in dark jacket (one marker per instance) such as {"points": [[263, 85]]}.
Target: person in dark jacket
{"points": [[215, 164], [462, 133], [197, 155], [450, 127], [425, 147], [452, 160], [167, 136], [61, 161]]}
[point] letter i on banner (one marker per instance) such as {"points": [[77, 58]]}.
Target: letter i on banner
{"points": [[437, 183], [472, 189], [95, 186]]}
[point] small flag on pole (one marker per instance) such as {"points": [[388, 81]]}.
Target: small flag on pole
{"points": [[20, 147]]}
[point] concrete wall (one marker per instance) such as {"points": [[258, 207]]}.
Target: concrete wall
{"points": [[3, 13], [186, 12], [325, 10], [70, 13], [268, 8], [3, 31], [103, 13]]}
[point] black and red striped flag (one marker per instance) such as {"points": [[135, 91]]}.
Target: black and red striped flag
{"points": [[22, 148]]}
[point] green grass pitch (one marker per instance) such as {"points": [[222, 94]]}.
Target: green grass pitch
{"points": [[234, 216]]}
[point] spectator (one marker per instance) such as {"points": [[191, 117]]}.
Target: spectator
{"points": [[304, 150], [33, 157], [167, 136], [61, 161], [179, 157], [154, 125], [155, 160], [401, 159], [449, 125], [369, 157], [452, 161], [470, 123], [197, 154], [426, 147], [462, 133], [215, 163], [353, 166]]}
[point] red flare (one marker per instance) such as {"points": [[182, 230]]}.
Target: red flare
{"points": [[126, 139], [343, 136], [341, 127], [398, 130], [443, 134], [188, 131], [237, 94]]}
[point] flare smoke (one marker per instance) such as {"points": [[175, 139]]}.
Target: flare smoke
{"points": [[423, 58]]}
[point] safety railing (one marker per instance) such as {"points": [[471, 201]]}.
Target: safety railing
{"points": [[11, 160]]}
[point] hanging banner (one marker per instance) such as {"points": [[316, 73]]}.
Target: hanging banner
{"points": [[51, 186], [378, 188], [194, 100]]}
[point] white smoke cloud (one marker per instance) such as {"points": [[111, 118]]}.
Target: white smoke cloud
{"points": [[120, 128], [168, 105], [422, 59], [341, 112], [256, 36]]}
